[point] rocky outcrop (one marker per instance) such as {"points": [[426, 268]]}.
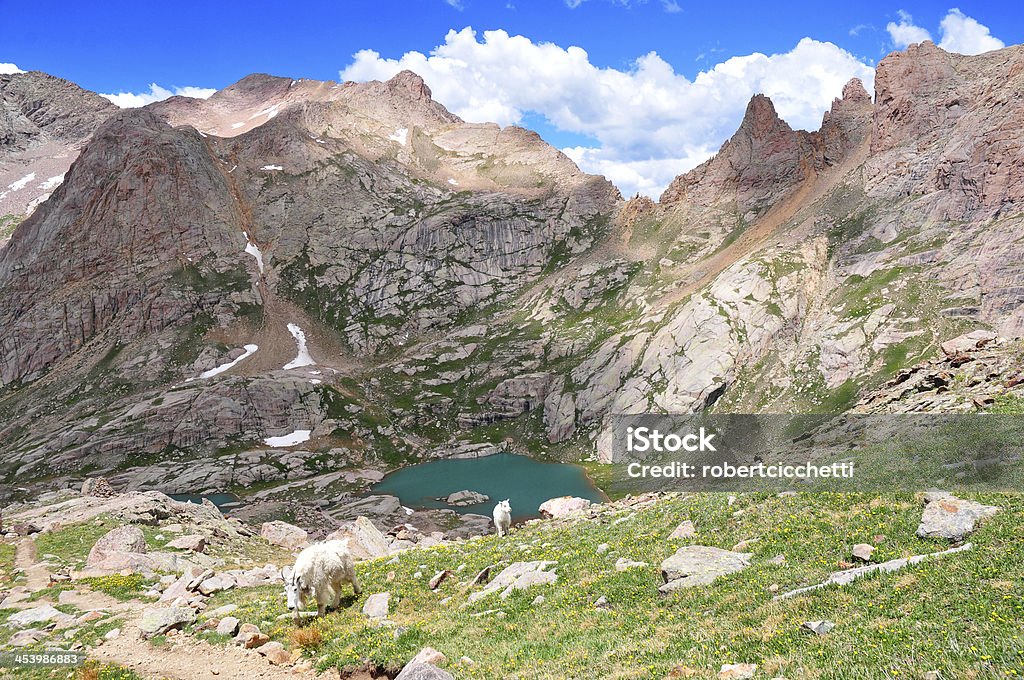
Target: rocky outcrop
{"points": [[698, 565], [952, 518]]}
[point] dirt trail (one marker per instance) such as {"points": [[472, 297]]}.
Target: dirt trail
{"points": [[185, 658], [37, 575]]}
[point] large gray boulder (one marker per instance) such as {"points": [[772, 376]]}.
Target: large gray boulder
{"points": [[466, 497], [562, 506], [45, 614], [699, 565], [159, 620], [365, 541], [285, 535], [125, 539], [518, 576], [423, 671], [949, 517]]}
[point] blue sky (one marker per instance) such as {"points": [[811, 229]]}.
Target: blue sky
{"points": [[115, 47]]}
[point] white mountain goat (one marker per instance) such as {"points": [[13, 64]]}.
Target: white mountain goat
{"points": [[502, 517], [319, 573]]}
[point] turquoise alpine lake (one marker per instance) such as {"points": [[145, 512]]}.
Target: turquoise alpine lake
{"points": [[221, 500], [524, 481]]}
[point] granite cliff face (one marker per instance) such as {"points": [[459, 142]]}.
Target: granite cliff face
{"points": [[353, 268]]}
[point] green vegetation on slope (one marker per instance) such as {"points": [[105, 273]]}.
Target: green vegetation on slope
{"points": [[8, 223], [958, 615]]}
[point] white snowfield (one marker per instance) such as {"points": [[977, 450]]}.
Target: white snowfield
{"points": [[401, 135], [21, 183], [249, 351], [268, 112], [291, 439], [252, 249], [271, 167], [52, 183], [303, 358]]}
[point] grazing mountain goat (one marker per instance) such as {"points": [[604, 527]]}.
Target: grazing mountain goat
{"points": [[502, 517], [319, 573]]}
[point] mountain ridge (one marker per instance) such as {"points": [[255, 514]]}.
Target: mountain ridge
{"points": [[459, 282]]}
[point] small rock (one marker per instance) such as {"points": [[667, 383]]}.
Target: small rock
{"points": [[602, 548], [27, 617], [778, 559], [818, 627], [228, 626], [23, 638], [423, 671], [431, 656], [538, 600], [377, 606], [439, 578], [698, 565], [744, 544], [862, 552], [684, 530], [90, 616], [602, 603], [124, 539], [112, 634], [931, 675], [622, 564], [466, 497], [275, 653], [737, 671], [250, 637], [193, 542]]}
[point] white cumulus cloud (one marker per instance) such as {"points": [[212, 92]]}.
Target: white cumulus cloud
{"points": [[9, 68], [128, 100], [905, 32], [649, 122], [959, 33]]}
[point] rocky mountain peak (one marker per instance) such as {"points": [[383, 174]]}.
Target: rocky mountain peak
{"points": [[411, 84], [854, 91], [43, 122], [762, 157], [254, 84], [761, 120], [846, 124], [37, 107]]}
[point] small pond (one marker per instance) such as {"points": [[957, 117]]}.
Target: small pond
{"points": [[524, 481], [221, 500]]}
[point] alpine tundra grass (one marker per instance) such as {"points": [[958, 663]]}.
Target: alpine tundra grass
{"points": [[959, 614]]}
